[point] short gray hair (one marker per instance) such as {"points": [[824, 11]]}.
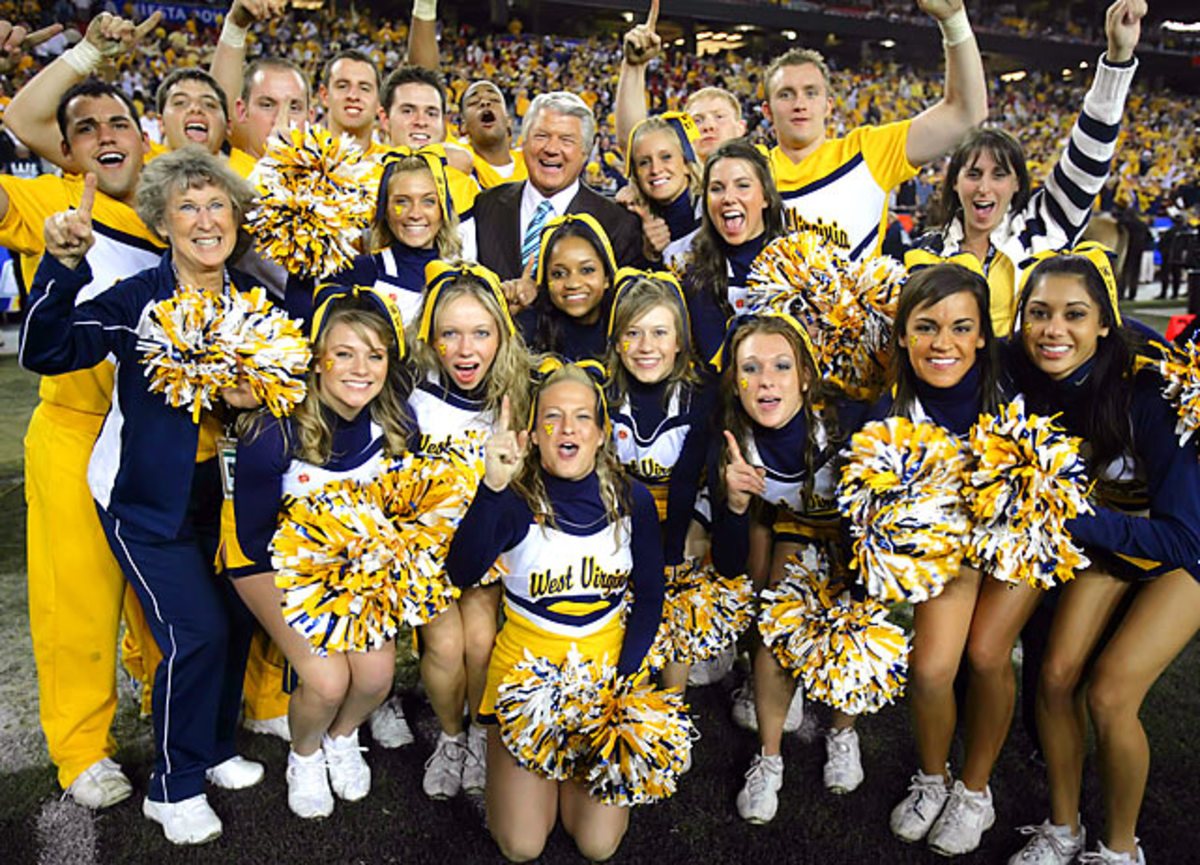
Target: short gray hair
{"points": [[189, 167], [562, 102]]}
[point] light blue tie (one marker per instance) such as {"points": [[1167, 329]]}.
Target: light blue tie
{"points": [[533, 234]]}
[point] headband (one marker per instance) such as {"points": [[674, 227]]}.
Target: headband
{"points": [[740, 321], [596, 373], [919, 259], [439, 274], [434, 158], [627, 277], [329, 294], [591, 226], [1098, 256], [684, 127]]}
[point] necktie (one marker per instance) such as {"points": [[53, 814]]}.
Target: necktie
{"points": [[533, 234]]}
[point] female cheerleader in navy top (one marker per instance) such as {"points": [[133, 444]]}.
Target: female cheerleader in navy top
{"points": [[575, 537], [945, 374], [575, 271], [351, 421], [661, 410], [468, 357], [1074, 357], [742, 213], [661, 163]]}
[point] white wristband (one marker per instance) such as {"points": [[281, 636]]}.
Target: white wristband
{"points": [[426, 10], [83, 58], [956, 29], [233, 35]]}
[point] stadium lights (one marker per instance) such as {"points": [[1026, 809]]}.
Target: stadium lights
{"points": [[1182, 27], [628, 16], [1013, 77], [704, 34], [789, 34], [888, 43], [1083, 64], [1067, 73], [679, 41]]}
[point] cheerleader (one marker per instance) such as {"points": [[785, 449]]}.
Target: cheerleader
{"points": [[576, 537], [742, 213], [468, 357], [987, 206], [1075, 359], [661, 163], [575, 270], [661, 410], [351, 421], [779, 450], [945, 374]]}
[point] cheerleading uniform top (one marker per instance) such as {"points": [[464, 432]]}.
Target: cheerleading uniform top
{"points": [[267, 471], [955, 408], [664, 447], [1056, 213], [144, 459], [448, 416], [683, 218], [709, 318], [566, 337], [573, 580], [398, 272]]}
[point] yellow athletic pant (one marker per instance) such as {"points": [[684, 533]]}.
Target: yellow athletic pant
{"points": [[75, 591]]}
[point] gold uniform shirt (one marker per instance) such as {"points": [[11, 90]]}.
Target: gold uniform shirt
{"points": [[462, 187], [489, 177], [123, 247], [840, 191]]}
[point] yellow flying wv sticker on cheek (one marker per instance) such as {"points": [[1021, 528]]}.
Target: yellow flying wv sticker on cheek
{"points": [[625, 346], [328, 365], [442, 349], [549, 429], [745, 383]]}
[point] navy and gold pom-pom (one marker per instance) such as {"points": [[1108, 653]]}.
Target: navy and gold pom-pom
{"points": [[845, 652], [200, 342], [314, 201], [1028, 479], [637, 739], [703, 613], [541, 706], [848, 307], [1180, 369], [901, 489]]}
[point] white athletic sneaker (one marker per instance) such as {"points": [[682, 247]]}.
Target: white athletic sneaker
{"points": [[349, 774], [277, 727], [843, 761], [309, 795], [444, 768], [1103, 856], [744, 713], [236, 773], [474, 773], [795, 715], [913, 817], [191, 821], [758, 800], [389, 728], [100, 785], [963, 821], [1050, 845], [712, 670]]}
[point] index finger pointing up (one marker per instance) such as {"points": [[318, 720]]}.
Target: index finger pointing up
{"points": [[88, 197], [735, 453], [505, 412], [652, 18], [146, 26]]}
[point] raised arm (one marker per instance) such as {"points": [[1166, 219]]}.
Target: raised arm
{"points": [[641, 45], [31, 116], [229, 58], [964, 102], [422, 35]]}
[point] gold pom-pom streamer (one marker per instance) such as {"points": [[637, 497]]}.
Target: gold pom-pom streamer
{"points": [[848, 307], [901, 489], [199, 342], [703, 613], [541, 706], [314, 201], [1180, 369], [845, 652], [335, 554], [1027, 481], [638, 738]]}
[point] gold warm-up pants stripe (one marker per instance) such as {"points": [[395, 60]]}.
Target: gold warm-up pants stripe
{"points": [[75, 591]]}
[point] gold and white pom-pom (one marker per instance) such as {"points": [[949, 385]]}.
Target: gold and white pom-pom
{"points": [[1028, 479], [335, 554], [703, 613], [1180, 370], [848, 307], [637, 741], [540, 707], [199, 342], [901, 489], [314, 201], [845, 652]]}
